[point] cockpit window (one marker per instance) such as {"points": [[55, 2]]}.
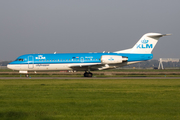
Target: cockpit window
{"points": [[19, 59]]}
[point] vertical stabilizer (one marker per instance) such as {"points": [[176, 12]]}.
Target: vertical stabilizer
{"points": [[145, 45]]}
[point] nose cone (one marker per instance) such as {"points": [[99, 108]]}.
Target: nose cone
{"points": [[9, 66]]}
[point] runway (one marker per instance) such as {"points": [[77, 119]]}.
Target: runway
{"points": [[1, 78]]}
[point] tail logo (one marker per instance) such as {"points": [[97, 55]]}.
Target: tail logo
{"points": [[145, 41], [144, 44]]}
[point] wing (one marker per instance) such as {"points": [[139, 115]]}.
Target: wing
{"points": [[86, 66], [93, 66]]}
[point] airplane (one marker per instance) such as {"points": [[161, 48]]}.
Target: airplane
{"points": [[88, 62]]}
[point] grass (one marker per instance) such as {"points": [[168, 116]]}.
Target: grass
{"points": [[96, 76], [107, 73], [90, 99]]}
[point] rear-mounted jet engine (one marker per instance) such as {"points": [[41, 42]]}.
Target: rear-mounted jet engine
{"points": [[113, 59]]}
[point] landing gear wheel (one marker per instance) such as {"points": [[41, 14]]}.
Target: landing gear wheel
{"points": [[27, 75], [88, 74], [85, 74]]}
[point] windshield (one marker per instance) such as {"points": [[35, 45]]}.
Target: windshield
{"points": [[19, 59]]}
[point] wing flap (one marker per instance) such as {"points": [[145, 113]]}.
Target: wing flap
{"points": [[92, 66]]}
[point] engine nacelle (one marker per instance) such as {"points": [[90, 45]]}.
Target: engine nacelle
{"points": [[112, 59]]}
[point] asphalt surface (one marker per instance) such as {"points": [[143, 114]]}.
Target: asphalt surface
{"points": [[90, 78]]}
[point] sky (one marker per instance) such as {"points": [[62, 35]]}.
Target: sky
{"points": [[80, 26]]}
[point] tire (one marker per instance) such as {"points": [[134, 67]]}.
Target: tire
{"points": [[27, 75], [85, 74], [88, 74]]}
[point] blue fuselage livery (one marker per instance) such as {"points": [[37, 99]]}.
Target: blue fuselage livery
{"points": [[71, 58], [88, 61]]}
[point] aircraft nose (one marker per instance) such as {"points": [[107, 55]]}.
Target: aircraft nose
{"points": [[9, 66], [13, 67]]}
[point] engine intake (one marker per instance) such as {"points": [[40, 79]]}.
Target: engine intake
{"points": [[112, 59]]}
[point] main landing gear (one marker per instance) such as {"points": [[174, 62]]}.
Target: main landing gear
{"points": [[88, 74]]}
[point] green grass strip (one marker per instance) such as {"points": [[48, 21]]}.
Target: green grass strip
{"points": [[97, 99]]}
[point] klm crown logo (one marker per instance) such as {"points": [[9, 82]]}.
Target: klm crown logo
{"points": [[145, 41], [40, 57], [111, 59], [144, 44]]}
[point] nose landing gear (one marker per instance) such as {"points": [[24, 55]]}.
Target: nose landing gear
{"points": [[27, 75]]}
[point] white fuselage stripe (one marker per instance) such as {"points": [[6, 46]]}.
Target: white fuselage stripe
{"points": [[36, 67]]}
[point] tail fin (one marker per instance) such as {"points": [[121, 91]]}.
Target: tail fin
{"points": [[146, 44]]}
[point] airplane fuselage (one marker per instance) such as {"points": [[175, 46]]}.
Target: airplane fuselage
{"points": [[87, 62], [65, 61]]}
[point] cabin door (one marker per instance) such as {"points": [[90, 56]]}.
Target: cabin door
{"points": [[82, 59], [30, 62]]}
